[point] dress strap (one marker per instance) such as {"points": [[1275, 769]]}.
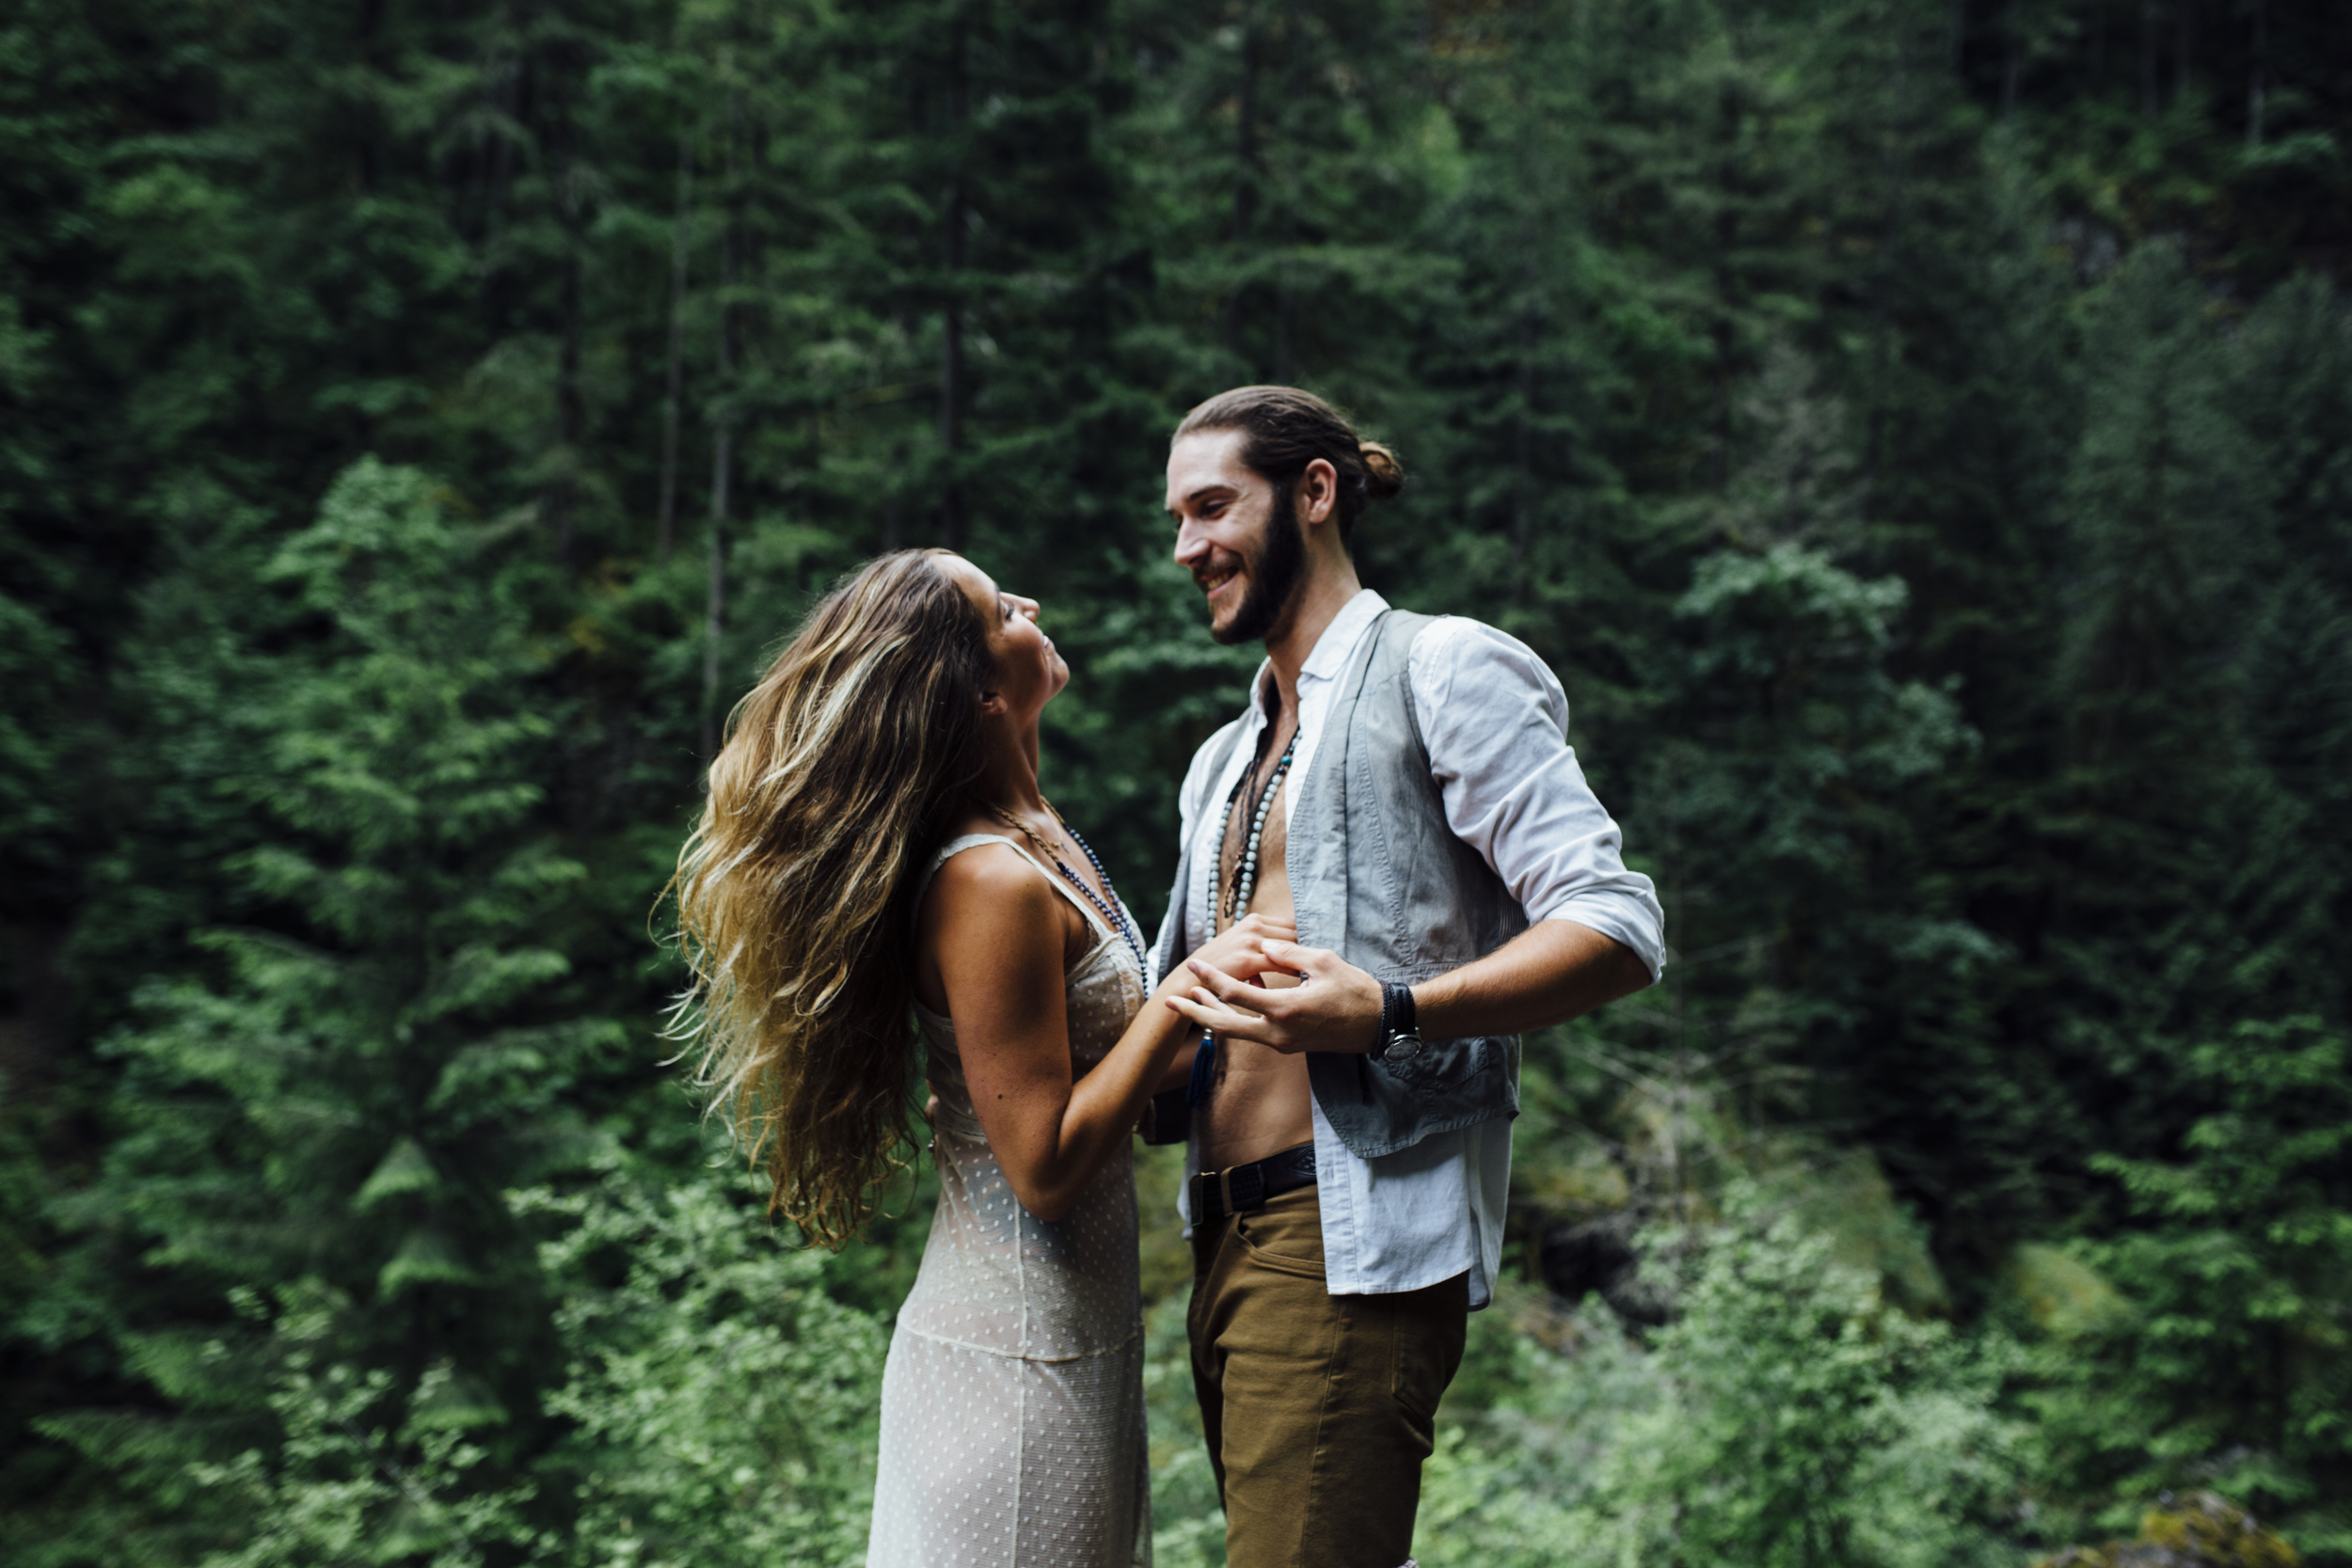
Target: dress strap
{"points": [[957, 846]]}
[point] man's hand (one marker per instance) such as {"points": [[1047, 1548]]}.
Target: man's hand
{"points": [[1554, 971], [1335, 1006]]}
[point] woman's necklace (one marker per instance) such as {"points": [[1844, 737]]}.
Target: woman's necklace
{"points": [[1053, 847], [1244, 886], [1113, 910]]}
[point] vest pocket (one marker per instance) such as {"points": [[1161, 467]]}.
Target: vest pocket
{"points": [[1440, 1065]]}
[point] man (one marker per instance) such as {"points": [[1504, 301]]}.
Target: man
{"points": [[1402, 789]]}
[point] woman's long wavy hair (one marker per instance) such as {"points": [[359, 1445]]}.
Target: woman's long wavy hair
{"points": [[794, 891]]}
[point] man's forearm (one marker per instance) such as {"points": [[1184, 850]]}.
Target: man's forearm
{"points": [[1552, 971]]}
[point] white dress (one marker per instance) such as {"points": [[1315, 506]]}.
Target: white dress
{"points": [[1012, 1424]]}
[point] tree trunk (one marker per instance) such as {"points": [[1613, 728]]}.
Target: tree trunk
{"points": [[2013, 58], [1285, 297], [2184, 43], [1245, 175], [722, 455], [1893, 164], [1522, 452], [561, 495], [2150, 14], [1246, 137], [670, 408], [951, 393], [498, 180], [2256, 87]]}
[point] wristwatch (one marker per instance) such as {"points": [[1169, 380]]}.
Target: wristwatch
{"points": [[1400, 1031]]}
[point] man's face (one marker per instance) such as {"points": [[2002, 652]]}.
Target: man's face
{"points": [[1237, 534]]}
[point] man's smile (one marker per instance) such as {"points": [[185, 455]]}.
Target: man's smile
{"points": [[1216, 578]]}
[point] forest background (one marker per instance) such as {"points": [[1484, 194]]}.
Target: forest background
{"points": [[1914, 430]]}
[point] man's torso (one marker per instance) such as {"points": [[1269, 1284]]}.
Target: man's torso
{"points": [[1262, 1102]]}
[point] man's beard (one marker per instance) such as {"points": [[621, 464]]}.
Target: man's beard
{"points": [[1273, 575]]}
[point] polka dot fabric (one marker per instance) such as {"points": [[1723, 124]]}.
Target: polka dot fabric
{"points": [[1012, 1426]]}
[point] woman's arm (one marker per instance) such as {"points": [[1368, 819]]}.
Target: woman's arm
{"points": [[999, 932], [1179, 1072]]}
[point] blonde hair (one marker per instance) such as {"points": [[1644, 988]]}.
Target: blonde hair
{"points": [[793, 892]]}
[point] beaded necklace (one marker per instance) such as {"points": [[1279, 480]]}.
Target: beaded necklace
{"points": [[1245, 884], [1114, 911], [1245, 873]]}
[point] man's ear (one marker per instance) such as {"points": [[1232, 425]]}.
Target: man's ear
{"points": [[1317, 498]]}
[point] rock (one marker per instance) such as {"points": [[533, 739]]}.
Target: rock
{"points": [[2199, 1530], [1849, 1201], [1598, 1256], [2059, 1294]]}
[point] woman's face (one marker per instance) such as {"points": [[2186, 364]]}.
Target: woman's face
{"points": [[1028, 671]]}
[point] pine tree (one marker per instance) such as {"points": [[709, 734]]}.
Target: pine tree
{"points": [[339, 1105]]}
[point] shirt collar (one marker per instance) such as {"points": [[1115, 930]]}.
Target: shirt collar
{"points": [[1339, 638], [1329, 654]]}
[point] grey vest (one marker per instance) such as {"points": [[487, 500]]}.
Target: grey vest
{"points": [[1377, 876]]}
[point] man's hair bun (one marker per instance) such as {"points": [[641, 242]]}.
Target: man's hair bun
{"points": [[1384, 476]]}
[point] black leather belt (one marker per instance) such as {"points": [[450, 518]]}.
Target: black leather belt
{"points": [[1241, 1188]]}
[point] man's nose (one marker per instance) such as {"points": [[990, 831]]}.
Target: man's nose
{"points": [[1190, 545]]}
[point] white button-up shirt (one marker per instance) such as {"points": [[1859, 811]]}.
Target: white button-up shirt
{"points": [[1495, 721]]}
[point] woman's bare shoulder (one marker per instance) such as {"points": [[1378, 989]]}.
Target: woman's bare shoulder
{"points": [[993, 870], [986, 883]]}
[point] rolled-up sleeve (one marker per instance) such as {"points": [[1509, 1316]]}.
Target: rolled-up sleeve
{"points": [[1496, 722]]}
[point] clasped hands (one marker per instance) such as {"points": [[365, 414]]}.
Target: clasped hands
{"points": [[1335, 1006]]}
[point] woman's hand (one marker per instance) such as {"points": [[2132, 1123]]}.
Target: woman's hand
{"points": [[1240, 951]]}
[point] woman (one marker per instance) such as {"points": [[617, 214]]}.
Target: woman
{"points": [[874, 835]]}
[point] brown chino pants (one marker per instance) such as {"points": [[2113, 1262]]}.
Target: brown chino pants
{"points": [[1319, 1409]]}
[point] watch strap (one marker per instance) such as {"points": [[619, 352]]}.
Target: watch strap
{"points": [[1400, 1030]]}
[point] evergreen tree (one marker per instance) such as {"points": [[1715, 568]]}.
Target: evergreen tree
{"points": [[339, 1106]]}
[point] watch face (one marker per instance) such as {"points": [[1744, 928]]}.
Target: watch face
{"points": [[1401, 1049]]}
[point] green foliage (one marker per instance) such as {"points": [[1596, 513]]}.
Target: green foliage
{"points": [[344, 1095], [343, 1485], [2232, 1365], [1785, 1415], [1913, 432], [722, 1405]]}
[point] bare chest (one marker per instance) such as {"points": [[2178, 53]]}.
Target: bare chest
{"points": [[1261, 1104]]}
